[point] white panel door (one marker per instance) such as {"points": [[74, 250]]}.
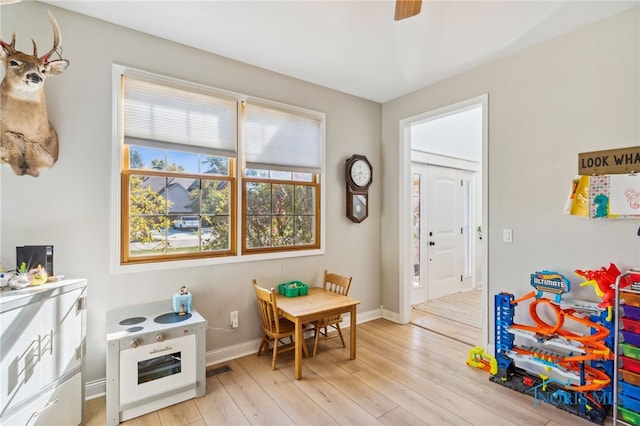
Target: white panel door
{"points": [[445, 218]]}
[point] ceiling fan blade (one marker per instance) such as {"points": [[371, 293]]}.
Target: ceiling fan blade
{"points": [[407, 8]]}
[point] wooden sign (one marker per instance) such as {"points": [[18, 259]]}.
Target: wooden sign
{"points": [[610, 162]]}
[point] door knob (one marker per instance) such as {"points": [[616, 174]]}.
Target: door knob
{"points": [[431, 243]]}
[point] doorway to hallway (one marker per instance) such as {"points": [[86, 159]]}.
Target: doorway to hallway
{"points": [[445, 151]]}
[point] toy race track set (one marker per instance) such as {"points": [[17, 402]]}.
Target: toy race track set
{"points": [[572, 370]]}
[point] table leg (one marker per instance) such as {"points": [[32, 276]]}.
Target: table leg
{"points": [[352, 332], [299, 342]]}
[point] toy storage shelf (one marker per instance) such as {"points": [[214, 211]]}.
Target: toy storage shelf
{"points": [[626, 383]]}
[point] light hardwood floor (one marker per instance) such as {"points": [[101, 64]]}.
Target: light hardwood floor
{"points": [[403, 375], [453, 329]]}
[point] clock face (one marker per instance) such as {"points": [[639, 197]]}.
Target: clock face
{"points": [[360, 173]]}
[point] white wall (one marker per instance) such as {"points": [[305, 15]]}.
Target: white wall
{"points": [[68, 205], [458, 135], [577, 93]]}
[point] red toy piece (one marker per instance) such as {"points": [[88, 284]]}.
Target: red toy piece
{"points": [[603, 280]]}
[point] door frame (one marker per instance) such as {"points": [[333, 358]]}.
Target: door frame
{"points": [[405, 254]]}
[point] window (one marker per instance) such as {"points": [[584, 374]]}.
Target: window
{"points": [[280, 191], [200, 168]]}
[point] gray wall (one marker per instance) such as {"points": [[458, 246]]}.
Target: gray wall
{"points": [[69, 205], [577, 93]]}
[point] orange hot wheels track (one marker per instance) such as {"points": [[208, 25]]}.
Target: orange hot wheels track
{"points": [[593, 345]]}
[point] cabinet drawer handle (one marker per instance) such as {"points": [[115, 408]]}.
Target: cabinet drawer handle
{"points": [[49, 404], [155, 351]]}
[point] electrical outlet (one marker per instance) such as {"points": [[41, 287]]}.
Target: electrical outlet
{"points": [[233, 319]]}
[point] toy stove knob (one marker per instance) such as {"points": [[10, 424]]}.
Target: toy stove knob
{"points": [[160, 337], [135, 343]]}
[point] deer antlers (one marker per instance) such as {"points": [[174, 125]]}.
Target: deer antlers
{"points": [[11, 48], [56, 40]]}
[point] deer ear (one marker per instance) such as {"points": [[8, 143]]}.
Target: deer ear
{"points": [[57, 67]]}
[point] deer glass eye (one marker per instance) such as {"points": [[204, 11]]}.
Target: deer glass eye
{"points": [[14, 63]]}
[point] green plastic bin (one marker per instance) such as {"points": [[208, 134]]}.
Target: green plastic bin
{"points": [[293, 288]]}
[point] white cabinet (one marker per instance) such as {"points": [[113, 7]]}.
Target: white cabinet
{"points": [[42, 354]]}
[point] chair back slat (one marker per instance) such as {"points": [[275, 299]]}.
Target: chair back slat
{"points": [[268, 308], [337, 283]]}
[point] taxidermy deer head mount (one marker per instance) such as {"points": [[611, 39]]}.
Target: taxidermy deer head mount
{"points": [[28, 142]]}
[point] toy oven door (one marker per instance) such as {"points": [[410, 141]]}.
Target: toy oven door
{"points": [[157, 368]]}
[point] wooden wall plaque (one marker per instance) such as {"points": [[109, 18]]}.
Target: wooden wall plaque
{"points": [[610, 162]]}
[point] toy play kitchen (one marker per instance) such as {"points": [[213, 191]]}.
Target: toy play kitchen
{"points": [[155, 357]]}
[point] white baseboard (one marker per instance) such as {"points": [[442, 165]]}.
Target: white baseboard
{"points": [[389, 315], [97, 388]]}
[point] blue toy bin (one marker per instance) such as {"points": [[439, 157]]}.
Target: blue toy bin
{"points": [[630, 403], [629, 390], [182, 303]]}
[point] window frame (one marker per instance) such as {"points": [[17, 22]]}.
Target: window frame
{"points": [[117, 231]]}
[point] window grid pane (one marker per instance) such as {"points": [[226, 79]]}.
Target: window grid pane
{"points": [[280, 215]]}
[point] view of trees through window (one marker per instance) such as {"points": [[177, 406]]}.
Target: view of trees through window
{"points": [[180, 203], [279, 214], [179, 206]]}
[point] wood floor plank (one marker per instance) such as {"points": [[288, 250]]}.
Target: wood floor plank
{"points": [[445, 327], [472, 411], [410, 400], [217, 407], [256, 405], [151, 419], [95, 412], [401, 416], [299, 407], [180, 414], [362, 394], [342, 409]]}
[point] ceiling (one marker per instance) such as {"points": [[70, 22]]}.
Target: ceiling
{"points": [[354, 46]]}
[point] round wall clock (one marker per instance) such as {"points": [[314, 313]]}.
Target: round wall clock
{"points": [[358, 175]]}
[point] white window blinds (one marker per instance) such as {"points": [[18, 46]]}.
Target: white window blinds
{"points": [[282, 140], [165, 116]]}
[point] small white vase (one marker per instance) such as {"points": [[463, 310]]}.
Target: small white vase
{"points": [[19, 281]]}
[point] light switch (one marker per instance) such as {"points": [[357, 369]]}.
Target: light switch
{"points": [[507, 235]]}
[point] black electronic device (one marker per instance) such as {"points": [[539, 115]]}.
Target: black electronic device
{"points": [[33, 256]]}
